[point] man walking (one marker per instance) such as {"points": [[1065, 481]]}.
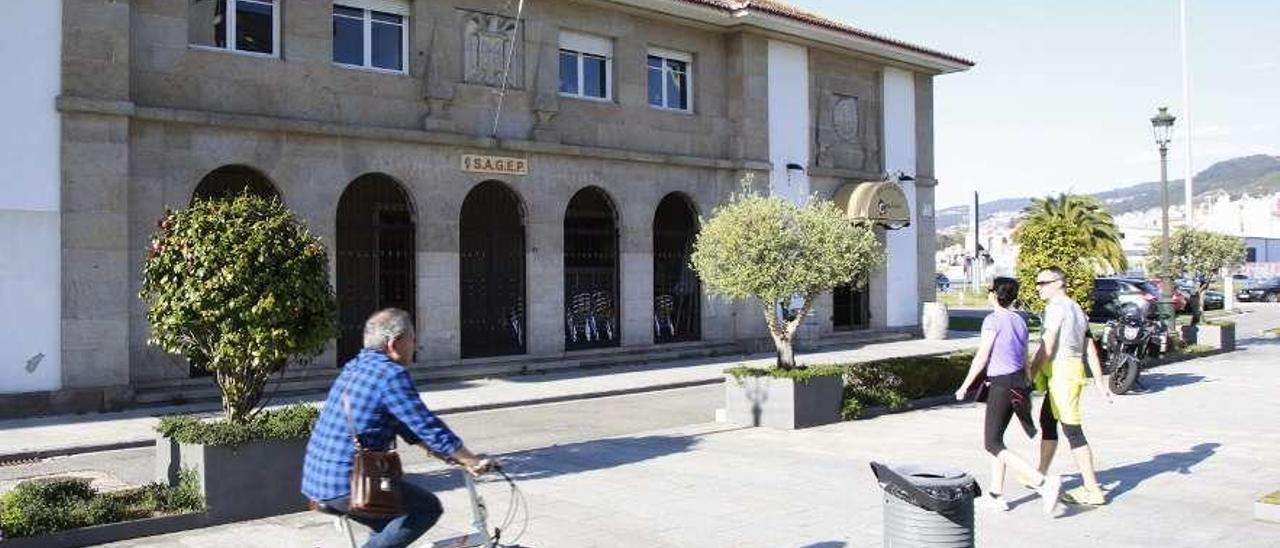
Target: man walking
{"points": [[383, 403], [1058, 367]]}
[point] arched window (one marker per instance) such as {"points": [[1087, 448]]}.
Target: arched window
{"points": [[491, 272], [230, 181], [375, 256], [677, 292], [591, 271]]}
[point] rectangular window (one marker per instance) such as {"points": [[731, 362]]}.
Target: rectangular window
{"points": [[371, 38], [670, 80], [586, 66], [251, 26]]}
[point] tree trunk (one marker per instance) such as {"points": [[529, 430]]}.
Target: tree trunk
{"points": [[783, 331], [1197, 307], [786, 354]]}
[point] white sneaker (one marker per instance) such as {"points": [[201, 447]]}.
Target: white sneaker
{"points": [[1049, 491], [994, 503]]}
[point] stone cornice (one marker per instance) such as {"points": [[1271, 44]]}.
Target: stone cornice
{"points": [[67, 104]]}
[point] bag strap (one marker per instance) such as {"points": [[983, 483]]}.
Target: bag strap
{"points": [[351, 421]]}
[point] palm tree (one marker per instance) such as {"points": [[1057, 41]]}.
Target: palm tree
{"points": [[1092, 218]]}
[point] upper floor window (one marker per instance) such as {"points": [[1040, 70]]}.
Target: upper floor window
{"points": [[586, 66], [251, 26], [670, 80], [371, 34]]}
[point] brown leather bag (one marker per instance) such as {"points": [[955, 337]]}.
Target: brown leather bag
{"points": [[376, 477]]}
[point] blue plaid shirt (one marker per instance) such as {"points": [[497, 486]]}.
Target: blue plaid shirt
{"points": [[384, 403]]}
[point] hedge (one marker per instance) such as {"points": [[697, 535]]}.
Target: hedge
{"points": [[288, 423], [39, 507]]}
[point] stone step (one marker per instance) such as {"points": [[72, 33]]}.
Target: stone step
{"points": [[315, 381]]}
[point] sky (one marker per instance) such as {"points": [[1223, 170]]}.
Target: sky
{"points": [[1063, 92]]}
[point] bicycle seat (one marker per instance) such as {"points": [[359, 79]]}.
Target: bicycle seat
{"points": [[323, 508]]}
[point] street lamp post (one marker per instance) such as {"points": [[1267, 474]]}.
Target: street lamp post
{"points": [[1162, 128]]}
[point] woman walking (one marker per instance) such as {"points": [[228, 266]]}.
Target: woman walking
{"points": [[1002, 352]]}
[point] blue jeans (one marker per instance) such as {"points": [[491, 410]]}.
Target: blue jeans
{"points": [[423, 511]]}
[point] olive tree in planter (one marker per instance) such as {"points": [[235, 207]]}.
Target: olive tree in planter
{"points": [[776, 252], [1198, 255], [240, 288]]}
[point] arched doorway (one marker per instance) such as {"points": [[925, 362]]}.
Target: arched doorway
{"points": [[677, 292], [231, 181], [224, 183], [491, 271], [591, 271], [850, 308], [375, 256]]}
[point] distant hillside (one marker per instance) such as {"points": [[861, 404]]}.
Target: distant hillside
{"points": [[1258, 174]]}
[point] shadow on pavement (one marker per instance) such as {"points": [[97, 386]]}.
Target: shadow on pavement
{"points": [[1130, 476], [827, 544], [561, 460], [1155, 382], [1247, 343]]}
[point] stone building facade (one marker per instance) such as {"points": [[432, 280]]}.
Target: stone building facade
{"points": [[551, 231]]}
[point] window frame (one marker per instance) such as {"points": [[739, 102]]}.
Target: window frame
{"points": [[367, 9], [672, 55], [583, 45], [232, 22]]}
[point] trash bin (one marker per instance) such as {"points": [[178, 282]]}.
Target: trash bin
{"points": [[926, 505]]}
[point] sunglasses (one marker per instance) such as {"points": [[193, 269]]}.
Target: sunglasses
{"points": [[1042, 283]]}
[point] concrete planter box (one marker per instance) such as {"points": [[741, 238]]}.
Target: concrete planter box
{"points": [[783, 403], [259, 479], [934, 321], [1221, 337], [1265, 511], [111, 532]]}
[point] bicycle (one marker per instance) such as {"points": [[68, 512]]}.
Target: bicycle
{"points": [[482, 537]]}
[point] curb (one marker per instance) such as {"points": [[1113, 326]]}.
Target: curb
{"points": [[20, 457]]}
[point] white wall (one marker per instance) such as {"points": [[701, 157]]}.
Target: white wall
{"points": [[901, 289], [30, 234], [788, 119]]}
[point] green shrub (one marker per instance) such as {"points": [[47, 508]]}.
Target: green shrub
{"points": [[850, 408], [798, 374], [1054, 243], [41, 507], [288, 423], [240, 287], [893, 383]]}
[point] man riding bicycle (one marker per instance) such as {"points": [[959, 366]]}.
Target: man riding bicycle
{"points": [[382, 402]]}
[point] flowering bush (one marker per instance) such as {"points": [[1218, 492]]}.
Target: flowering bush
{"points": [[239, 287]]}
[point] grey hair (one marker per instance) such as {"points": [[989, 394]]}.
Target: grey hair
{"points": [[384, 325]]}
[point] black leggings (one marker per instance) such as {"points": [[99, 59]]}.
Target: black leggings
{"points": [[1049, 425], [1001, 407]]}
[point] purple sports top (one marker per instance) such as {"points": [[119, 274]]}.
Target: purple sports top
{"points": [[1008, 332]]}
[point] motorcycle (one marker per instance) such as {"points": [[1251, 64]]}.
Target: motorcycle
{"points": [[1127, 342]]}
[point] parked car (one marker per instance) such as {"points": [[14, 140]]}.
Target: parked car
{"points": [[1213, 300], [943, 282], [1112, 296], [1267, 290]]}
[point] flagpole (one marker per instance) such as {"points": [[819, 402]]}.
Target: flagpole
{"points": [[1189, 216], [506, 68]]}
